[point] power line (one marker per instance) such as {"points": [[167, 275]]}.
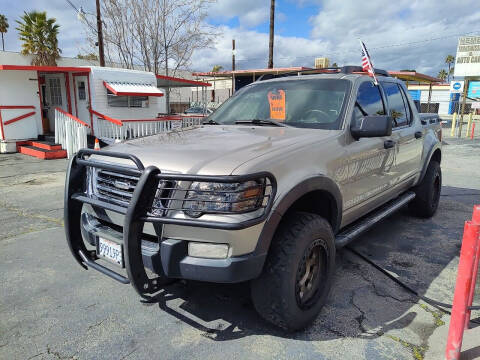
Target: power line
{"points": [[370, 48], [78, 12]]}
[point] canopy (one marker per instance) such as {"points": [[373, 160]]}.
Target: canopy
{"points": [[164, 81], [132, 89]]}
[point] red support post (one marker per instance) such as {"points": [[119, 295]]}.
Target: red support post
{"points": [[1, 126], [473, 131], [475, 221], [465, 285]]}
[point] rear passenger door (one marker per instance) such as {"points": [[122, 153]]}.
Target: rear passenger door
{"points": [[408, 144]]}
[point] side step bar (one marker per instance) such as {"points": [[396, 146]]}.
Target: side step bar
{"points": [[357, 228]]}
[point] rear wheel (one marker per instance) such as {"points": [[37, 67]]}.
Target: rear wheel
{"points": [[428, 192], [298, 272]]}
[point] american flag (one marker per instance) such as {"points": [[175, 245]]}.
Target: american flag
{"points": [[367, 63]]}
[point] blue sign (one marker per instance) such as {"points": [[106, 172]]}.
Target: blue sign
{"points": [[474, 89], [415, 94], [457, 85]]}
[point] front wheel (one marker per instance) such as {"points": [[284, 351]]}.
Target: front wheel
{"points": [[427, 192], [298, 272]]}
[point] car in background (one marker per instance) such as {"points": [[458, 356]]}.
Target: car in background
{"points": [[198, 110]]}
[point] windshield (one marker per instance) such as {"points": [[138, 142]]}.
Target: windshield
{"points": [[309, 103]]}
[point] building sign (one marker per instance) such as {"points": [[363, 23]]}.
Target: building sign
{"points": [[476, 105], [474, 89], [467, 62], [415, 94], [456, 86]]}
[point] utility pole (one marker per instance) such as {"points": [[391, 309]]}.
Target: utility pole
{"points": [[465, 92], [272, 31], [101, 55], [233, 66]]}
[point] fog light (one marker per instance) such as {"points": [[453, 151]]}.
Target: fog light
{"points": [[208, 250]]}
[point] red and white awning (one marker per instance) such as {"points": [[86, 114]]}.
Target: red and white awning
{"points": [[132, 89]]}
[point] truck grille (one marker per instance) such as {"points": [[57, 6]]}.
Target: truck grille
{"points": [[115, 187], [118, 188]]}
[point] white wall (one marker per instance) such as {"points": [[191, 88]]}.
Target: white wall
{"points": [[20, 88], [438, 96], [99, 93]]}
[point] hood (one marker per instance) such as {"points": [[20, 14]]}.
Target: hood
{"points": [[214, 149]]}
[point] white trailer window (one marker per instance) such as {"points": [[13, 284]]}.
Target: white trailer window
{"points": [[126, 101], [55, 91]]}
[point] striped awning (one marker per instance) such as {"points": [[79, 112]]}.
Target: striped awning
{"points": [[132, 89]]}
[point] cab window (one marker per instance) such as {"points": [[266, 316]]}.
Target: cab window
{"points": [[396, 104], [369, 102], [407, 106]]}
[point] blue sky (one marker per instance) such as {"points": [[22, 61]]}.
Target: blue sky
{"points": [[304, 29]]}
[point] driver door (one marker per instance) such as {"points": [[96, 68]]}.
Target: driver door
{"points": [[369, 168]]}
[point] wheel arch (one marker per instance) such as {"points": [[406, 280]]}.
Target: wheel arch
{"points": [[435, 154], [319, 195]]}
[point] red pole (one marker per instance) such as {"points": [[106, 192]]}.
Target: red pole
{"points": [[473, 131], [475, 221], [462, 290]]}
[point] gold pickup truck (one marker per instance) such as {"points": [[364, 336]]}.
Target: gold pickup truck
{"points": [[283, 173]]}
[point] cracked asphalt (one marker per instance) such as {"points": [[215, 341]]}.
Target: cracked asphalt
{"points": [[52, 309]]}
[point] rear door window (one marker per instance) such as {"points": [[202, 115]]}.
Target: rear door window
{"points": [[407, 106], [396, 105], [369, 102]]}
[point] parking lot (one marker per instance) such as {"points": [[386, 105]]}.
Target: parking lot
{"points": [[50, 308]]}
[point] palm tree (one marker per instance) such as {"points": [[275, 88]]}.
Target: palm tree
{"points": [[442, 74], [217, 68], [272, 31], [39, 36], [3, 28], [449, 60]]}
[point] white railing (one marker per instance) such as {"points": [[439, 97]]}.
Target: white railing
{"points": [[70, 132], [107, 127]]}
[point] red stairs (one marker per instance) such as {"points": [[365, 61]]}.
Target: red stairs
{"points": [[41, 149]]}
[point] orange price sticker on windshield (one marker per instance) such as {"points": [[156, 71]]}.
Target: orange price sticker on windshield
{"points": [[277, 104]]}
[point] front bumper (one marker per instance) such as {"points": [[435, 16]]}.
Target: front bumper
{"points": [[171, 259], [171, 254]]}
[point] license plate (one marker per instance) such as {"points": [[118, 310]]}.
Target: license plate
{"points": [[110, 250]]}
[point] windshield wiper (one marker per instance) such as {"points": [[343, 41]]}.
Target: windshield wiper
{"points": [[210, 122], [261, 122]]}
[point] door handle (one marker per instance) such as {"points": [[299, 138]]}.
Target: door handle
{"points": [[418, 135], [388, 144]]}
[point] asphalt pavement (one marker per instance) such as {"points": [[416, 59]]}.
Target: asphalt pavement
{"points": [[50, 308]]}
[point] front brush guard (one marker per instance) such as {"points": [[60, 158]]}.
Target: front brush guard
{"points": [[136, 214]]}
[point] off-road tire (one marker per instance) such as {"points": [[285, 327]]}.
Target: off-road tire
{"points": [[427, 192], [275, 292]]}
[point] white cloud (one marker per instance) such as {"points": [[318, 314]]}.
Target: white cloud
{"points": [[337, 27], [334, 32], [250, 13]]}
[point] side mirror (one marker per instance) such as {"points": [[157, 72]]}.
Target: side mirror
{"points": [[372, 126]]}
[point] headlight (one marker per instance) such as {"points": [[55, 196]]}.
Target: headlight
{"points": [[224, 198]]}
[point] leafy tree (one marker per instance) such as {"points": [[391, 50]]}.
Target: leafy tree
{"points": [[449, 60], [217, 68], [442, 74], [334, 64], [39, 36], [3, 28]]}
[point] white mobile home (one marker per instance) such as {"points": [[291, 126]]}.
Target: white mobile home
{"points": [[29, 96]]}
